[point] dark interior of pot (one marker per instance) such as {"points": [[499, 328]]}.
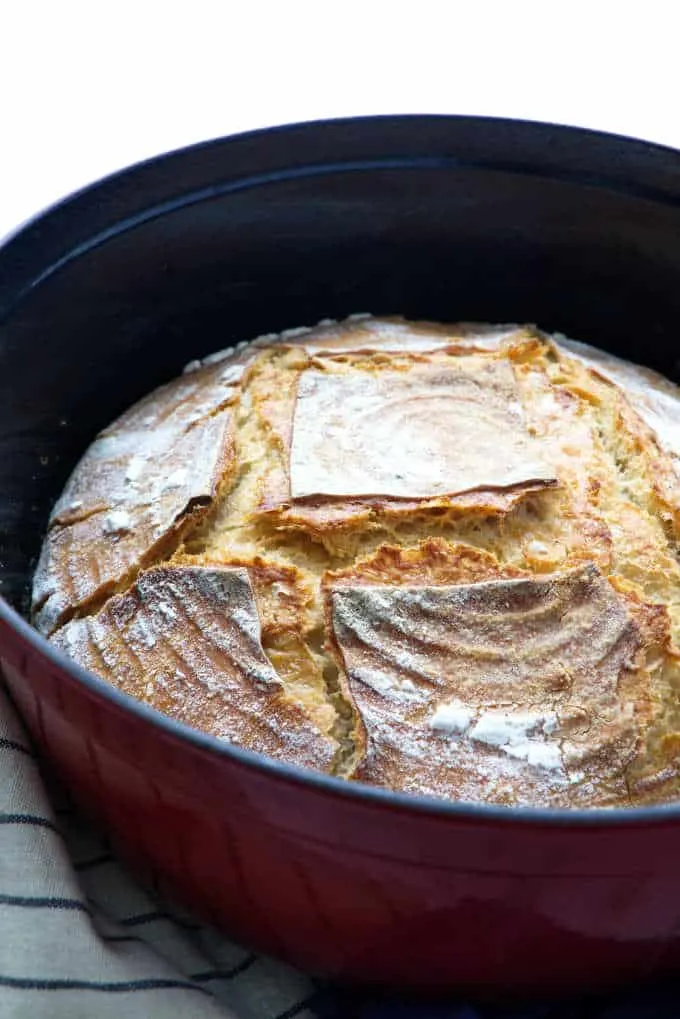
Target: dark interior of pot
{"points": [[113, 292]]}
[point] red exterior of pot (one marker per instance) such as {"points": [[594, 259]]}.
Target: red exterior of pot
{"points": [[353, 887], [108, 294]]}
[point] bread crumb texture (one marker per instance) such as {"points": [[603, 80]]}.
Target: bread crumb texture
{"points": [[439, 559]]}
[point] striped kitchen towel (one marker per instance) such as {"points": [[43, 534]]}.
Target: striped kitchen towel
{"points": [[80, 938]]}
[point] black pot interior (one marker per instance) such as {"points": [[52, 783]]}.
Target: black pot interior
{"points": [[442, 218]]}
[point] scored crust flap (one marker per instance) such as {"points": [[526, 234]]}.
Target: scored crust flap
{"points": [[141, 485], [187, 640], [288, 616], [653, 397], [430, 432], [397, 439], [526, 689], [643, 426]]}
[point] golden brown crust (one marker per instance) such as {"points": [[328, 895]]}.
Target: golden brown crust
{"points": [[286, 612], [358, 441], [187, 640], [524, 690], [365, 334], [460, 480], [429, 431], [283, 600], [654, 398], [146, 480], [431, 562]]}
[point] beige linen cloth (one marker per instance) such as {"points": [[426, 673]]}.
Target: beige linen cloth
{"points": [[80, 938]]}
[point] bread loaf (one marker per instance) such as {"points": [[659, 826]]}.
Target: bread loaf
{"points": [[439, 559]]}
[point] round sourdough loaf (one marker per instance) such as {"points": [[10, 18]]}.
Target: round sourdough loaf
{"points": [[440, 559]]}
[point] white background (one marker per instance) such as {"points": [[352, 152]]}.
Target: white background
{"points": [[88, 88]]}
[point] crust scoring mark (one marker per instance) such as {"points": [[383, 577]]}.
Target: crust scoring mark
{"points": [[141, 485], [544, 654], [432, 431], [187, 639]]}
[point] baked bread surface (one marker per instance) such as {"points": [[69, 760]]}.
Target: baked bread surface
{"points": [[440, 559]]}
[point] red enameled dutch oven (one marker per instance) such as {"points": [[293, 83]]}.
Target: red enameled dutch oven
{"points": [[111, 292]]}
